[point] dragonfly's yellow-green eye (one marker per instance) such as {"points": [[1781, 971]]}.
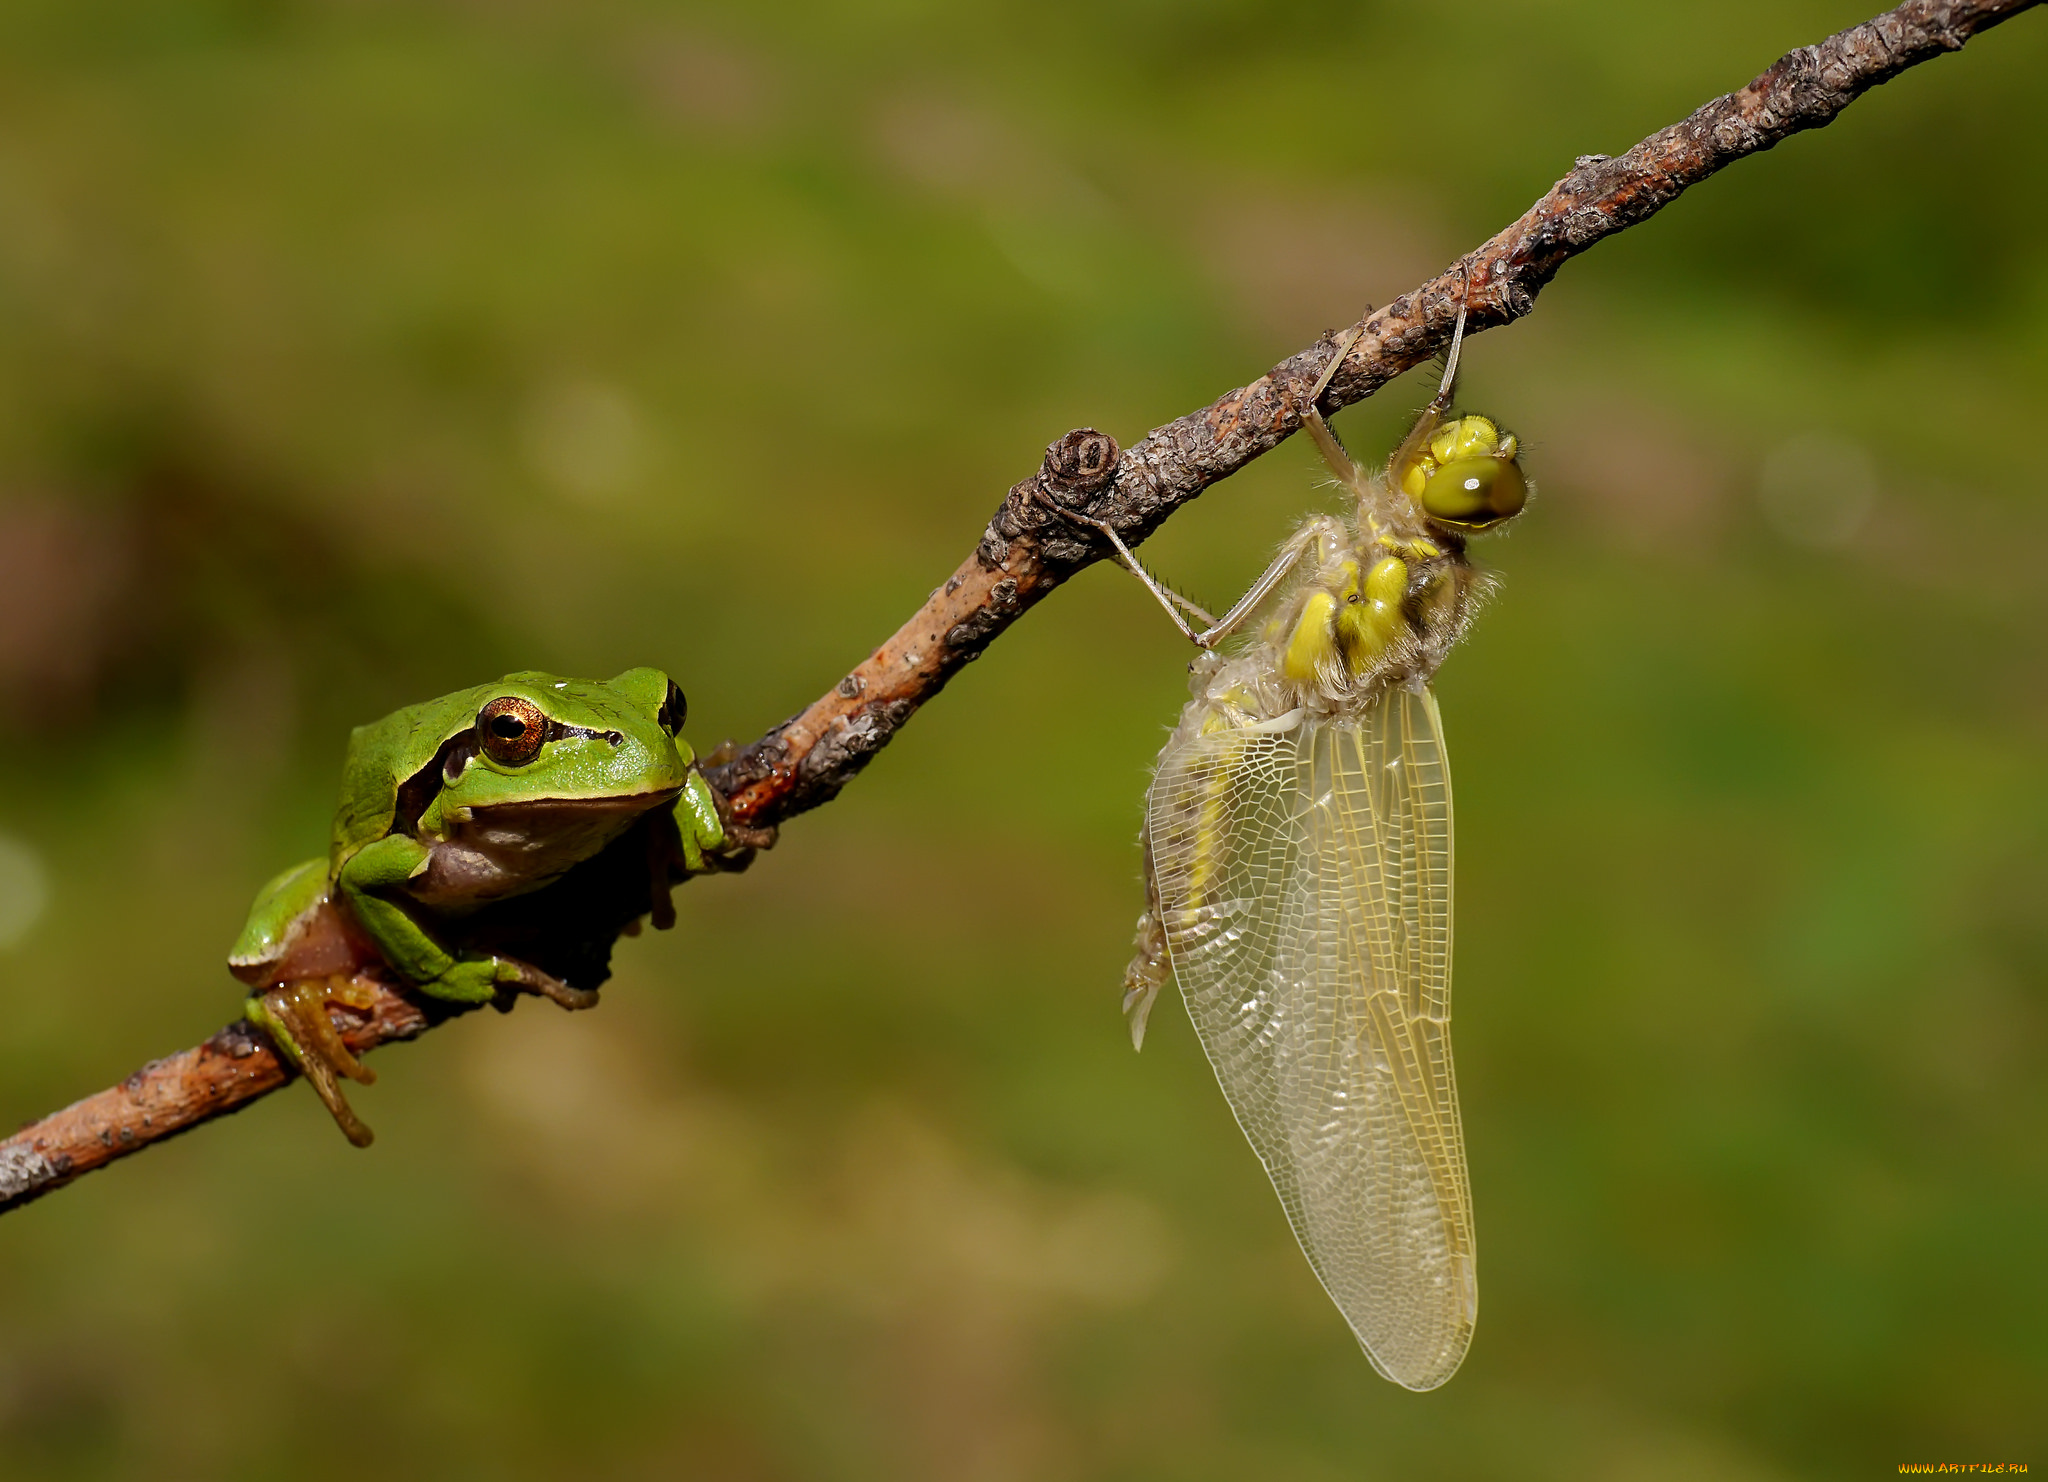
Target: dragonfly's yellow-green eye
{"points": [[1465, 476], [1474, 493]]}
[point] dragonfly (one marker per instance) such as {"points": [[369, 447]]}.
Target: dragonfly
{"points": [[1298, 865]]}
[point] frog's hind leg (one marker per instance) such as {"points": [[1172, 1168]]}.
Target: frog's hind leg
{"points": [[294, 1016]]}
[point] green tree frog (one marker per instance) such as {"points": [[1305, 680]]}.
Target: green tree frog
{"points": [[488, 843]]}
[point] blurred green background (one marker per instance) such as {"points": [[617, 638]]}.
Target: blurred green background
{"points": [[351, 352]]}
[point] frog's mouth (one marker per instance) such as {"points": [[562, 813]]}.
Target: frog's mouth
{"points": [[536, 827], [548, 812], [505, 849]]}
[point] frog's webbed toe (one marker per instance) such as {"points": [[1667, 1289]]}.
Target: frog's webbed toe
{"points": [[294, 1016]]}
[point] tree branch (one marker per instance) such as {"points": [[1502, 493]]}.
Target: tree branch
{"points": [[1028, 548]]}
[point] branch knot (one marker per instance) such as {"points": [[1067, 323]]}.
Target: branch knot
{"points": [[1079, 466], [1076, 468]]}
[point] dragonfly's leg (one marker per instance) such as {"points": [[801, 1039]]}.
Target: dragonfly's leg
{"points": [[1261, 589], [1167, 598], [1319, 431], [1433, 414], [1173, 602], [1447, 388]]}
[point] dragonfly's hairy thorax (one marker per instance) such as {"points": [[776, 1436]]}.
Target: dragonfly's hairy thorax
{"points": [[1377, 602]]}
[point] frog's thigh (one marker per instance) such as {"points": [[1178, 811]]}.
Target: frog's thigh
{"points": [[405, 944], [383, 866], [278, 906]]}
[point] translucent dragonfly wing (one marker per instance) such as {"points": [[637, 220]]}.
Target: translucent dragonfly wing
{"points": [[1304, 883]]}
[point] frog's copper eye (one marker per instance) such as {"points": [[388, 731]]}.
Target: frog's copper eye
{"points": [[510, 730], [1475, 493], [674, 709]]}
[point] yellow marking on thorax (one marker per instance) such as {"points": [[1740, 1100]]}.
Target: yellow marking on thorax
{"points": [[1313, 645], [1366, 628], [1417, 549]]}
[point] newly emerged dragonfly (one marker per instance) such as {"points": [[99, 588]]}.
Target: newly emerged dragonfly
{"points": [[1298, 866]]}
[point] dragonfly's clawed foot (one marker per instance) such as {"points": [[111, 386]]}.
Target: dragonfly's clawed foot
{"points": [[294, 1016]]}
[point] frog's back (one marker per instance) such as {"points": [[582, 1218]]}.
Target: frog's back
{"points": [[382, 756]]}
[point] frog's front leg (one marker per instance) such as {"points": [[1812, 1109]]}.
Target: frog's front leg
{"points": [[367, 880], [697, 822]]}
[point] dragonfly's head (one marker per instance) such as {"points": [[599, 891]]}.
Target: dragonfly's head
{"points": [[1465, 478]]}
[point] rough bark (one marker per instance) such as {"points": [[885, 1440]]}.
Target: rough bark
{"points": [[1029, 547], [1028, 550]]}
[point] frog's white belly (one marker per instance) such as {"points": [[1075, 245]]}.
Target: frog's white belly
{"points": [[514, 848]]}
